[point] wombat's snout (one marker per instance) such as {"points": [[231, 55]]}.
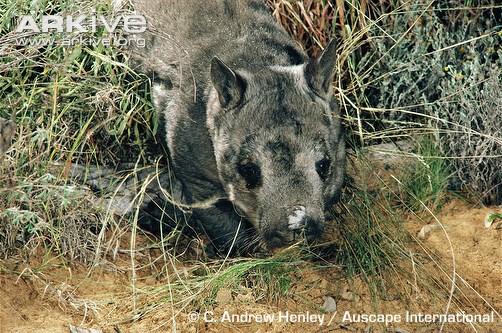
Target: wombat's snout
{"points": [[300, 225]]}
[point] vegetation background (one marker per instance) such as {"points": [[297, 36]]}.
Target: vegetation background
{"points": [[424, 72]]}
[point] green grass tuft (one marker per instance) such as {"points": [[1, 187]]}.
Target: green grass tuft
{"points": [[427, 183]]}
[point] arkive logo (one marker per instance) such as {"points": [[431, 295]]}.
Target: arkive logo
{"points": [[131, 24]]}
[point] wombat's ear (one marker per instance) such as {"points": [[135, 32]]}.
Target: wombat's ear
{"points": [[229, 85], [319, 72]]}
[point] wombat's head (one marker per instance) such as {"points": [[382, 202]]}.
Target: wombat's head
{"points": [[278, 145]]}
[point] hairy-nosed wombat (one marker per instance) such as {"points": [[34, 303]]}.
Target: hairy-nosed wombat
{"points": [[251, 124]]}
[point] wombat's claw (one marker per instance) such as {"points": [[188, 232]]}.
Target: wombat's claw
{"points": [[7, 131]]}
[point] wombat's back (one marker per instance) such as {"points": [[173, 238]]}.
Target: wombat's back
{"points": [[188, 33]]}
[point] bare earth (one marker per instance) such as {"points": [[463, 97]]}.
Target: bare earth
{"points": [[104, 300]]}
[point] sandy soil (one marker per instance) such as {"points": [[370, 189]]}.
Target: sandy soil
{"points": [[57, 296]]}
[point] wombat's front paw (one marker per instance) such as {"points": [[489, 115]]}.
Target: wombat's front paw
{"points": [[7, 130]]}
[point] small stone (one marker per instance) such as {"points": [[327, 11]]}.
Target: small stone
{"points": [[329, 304]]}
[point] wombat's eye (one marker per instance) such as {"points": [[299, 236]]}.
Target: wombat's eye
{"points": [[250, 172], [322, 168]]}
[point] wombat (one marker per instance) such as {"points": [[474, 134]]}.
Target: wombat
{"points": [[251, 124]]}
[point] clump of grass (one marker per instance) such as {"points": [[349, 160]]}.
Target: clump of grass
{"points": [[370, 232], [427, 181], [197, 285], [372, 236], [72, 104], [39, 213], [268, 278]]}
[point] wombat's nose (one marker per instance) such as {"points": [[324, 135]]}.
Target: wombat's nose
{"points": [[296, 218]]}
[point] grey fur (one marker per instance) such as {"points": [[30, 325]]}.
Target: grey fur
{"points": [[250, 120]]}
